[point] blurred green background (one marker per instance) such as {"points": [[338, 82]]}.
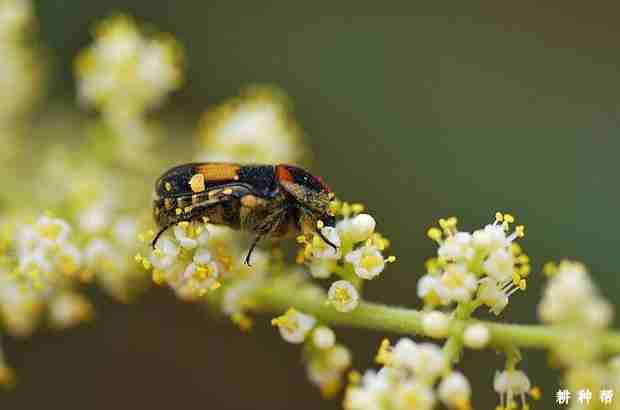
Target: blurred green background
{"points": [[420, 111]]}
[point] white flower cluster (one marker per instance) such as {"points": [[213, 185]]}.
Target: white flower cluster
{"points": [[184, 261], [36, 273], [486, 265], [571, 297], [573, 301], [359, 254], [409, 380], [256, 127], [125, 71], [109, 257], [44, 251], [326, 361]]}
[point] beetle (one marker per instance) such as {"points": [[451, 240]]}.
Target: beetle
{"points": [[271, 201]]}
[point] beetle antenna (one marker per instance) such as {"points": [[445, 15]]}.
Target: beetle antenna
{"points": [[327, 241], [161, 231]]}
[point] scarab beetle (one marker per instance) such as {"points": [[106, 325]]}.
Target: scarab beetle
{"points": [[271, 201]]}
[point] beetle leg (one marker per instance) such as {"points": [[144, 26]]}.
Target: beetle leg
{"points": [[327, 241], [247, 257], [267, 227], [161, 231]]}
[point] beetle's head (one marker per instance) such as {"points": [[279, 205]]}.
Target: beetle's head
{"points": [[311, 194]]}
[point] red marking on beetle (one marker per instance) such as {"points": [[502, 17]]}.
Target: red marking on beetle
{"points": [[283, 174], [325, 186]]}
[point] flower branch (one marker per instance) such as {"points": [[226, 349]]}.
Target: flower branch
{"points": [[375, 316]]}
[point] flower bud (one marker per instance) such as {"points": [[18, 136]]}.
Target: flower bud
{"points": [[476, 336]]}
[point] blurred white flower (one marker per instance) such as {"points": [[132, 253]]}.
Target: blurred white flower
{"points": [[511, 383], [455, 391], [256, 127], [125, 71], [323, 337], [476, 336], [571, 298], [294, 326], [435, 324]]}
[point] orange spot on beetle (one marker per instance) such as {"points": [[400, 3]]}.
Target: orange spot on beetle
{"points": [[218, 171]]}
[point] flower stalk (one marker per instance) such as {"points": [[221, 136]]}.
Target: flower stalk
{"points": [[375, 316]]}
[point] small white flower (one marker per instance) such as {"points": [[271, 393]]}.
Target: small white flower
{"points": [[425, 360], [510, 383], [202, 256], [52, 231], [321, 268], [432, 290], [165, 255], [476, 336], [500, 265], [490, 238], [323, 337], [338, 357], [321, 249], [459, 283], [404, 352], [456, 247], [236, 296], [598, 313], [321, 374], [294, 325], [359, 228], [343, 296], [198, 279], [435, 324], [455, 391], [184, 240], [370, 394], [412, 395], [491, 295], [367, 261], [429, 362]]}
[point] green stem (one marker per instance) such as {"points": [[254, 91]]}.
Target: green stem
{"points": [[374, 316], [454, 344]]}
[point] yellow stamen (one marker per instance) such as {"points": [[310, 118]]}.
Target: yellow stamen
{"points": [[434, 234], [354, 377], [384, 355]]}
